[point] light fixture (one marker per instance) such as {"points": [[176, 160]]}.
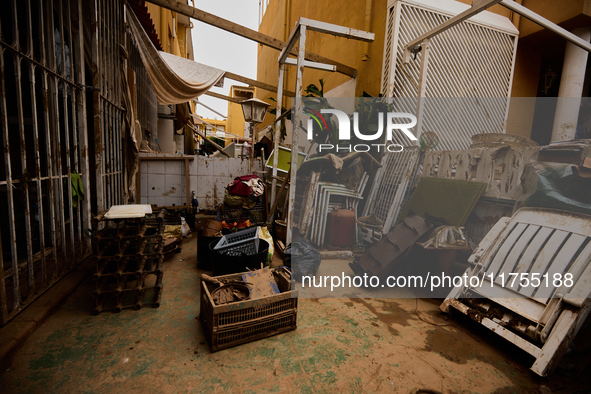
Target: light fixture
{"points": [[549, 78], [254, 110]]}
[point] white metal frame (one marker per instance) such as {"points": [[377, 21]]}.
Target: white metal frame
{"points": [[298, 34], [324, 192]]}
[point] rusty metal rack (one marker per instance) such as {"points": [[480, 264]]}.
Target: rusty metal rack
{"points": [[128, 254]]}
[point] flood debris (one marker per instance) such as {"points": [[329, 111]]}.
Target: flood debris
{"points": [[529, 282], [389, 251]]}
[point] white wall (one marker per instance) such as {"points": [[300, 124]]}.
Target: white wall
{"points": [[163, 182]]}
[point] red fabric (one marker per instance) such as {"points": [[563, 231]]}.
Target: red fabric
{"points": [[238, 187]]}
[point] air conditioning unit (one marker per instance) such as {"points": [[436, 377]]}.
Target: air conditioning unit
{"points": [[470, 69]]}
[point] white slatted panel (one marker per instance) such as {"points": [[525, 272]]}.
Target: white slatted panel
{"points": [[469, 74], [391, 185]]}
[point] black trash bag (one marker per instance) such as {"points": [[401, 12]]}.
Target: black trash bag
{"points": [[302, 258]]}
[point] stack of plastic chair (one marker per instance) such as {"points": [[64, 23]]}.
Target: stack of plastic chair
{"points": [[324, 205]]}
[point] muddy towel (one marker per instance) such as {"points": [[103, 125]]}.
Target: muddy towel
{"points": [[262, 283]]}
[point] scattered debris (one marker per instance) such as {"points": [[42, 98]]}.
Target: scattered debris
{"points": [[384, 255], [302, 257]]}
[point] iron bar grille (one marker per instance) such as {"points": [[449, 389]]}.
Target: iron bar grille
{"points": [[391, 185], [44, 141], [52, 55], [108, 113], [147, 103]]}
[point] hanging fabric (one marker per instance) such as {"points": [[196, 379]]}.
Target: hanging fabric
{"points": [[175, 79]]}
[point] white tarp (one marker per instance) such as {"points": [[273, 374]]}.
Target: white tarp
{"points": [[175, 79]]}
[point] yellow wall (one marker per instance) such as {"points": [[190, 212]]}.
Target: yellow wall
{"points": [[350, 13], [163, 21], [214, 122], [281, 16]]}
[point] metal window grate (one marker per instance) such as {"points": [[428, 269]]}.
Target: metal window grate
{"points": [[108, 113], [44, 141], [46, 46]]}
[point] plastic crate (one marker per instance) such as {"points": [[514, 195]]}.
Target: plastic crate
{"points": [[246, 321], [242, 242]]}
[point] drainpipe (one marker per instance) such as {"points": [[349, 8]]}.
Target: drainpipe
{"points": [[368, 5], [571, 88]]}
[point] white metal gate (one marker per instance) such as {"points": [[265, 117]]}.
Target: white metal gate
{"points": [[391, 185], [470, 69]]}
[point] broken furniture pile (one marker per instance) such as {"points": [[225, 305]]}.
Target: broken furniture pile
{"points": [[327, 184], [128, 252], [541, 318], [546, 249], [386, 254]]}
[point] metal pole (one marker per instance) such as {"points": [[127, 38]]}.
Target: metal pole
{"points": [[276, 136], [295, 131], [422, 86], [540, 20], [252, 140]]}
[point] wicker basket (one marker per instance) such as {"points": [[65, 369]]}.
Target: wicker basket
{"points": [[246, 321]]}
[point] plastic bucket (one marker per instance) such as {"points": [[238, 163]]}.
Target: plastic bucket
{"points": [[223, 264], [203, 252]]}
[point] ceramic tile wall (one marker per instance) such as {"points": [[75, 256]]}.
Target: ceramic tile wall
{"points": [[211, 175], [163, 182]]}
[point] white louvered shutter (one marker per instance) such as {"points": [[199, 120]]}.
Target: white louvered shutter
{"points": [[470, 69]]}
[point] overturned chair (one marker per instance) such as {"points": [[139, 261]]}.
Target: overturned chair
{"points": [[534, 284]]}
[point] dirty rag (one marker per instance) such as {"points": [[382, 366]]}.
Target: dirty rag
{"points": [[256, 187]]}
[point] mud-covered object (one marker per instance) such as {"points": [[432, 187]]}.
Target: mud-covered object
{"points": [[234, 200], [302, 258], [555, 185]]}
